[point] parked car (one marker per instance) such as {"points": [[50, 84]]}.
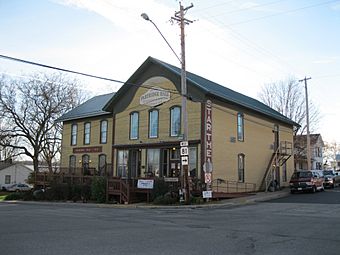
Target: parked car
{"points": [[332, 178], [307, 180], [19, 187]]}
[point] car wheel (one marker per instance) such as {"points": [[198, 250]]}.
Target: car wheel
{"points": [[292, 191], [17, 190]]}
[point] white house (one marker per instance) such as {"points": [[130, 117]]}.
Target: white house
{"points": [[15, 173]]}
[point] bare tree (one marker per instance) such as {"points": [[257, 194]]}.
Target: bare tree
{"points": [[30, 107], [288, 98]]}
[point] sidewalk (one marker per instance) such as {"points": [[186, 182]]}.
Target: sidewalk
{"points": [[251, 199]]}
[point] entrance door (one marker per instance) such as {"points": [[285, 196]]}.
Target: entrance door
{"points": [[134, 164], [175, 162]]}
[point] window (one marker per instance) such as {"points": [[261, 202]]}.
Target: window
{"points": [[153, 162], [175, 121], [103, 131], [87, 133], [153, 124], [192, 161], [240, 127], [240, 167], [134, 119], [284, 172], [102, 164], [74, 129], [72, 164], [122, 163], [7, 179], [86, 164]]}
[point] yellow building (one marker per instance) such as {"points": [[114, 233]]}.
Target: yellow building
{"points": [[87, 138], [238, 139]]}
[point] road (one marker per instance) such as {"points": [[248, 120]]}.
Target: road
{"points": [[297, 224]]}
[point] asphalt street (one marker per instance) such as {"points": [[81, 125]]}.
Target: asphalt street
{"points": [[297, 224]]}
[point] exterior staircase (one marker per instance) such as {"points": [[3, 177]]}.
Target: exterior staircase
{"points": [[278, 158]]}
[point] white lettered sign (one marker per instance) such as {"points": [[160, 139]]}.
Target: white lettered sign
{"points": [[145, 184], [154, 96]]}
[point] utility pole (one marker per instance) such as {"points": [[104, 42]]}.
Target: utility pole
{"points": [[182, 21], [307, 120]]}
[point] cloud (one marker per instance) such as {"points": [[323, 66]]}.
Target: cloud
{"points": [[336, 7], [327, 60]]}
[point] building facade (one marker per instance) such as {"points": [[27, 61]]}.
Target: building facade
{"points": [[316, 146], [235, 135], [87, 138]]}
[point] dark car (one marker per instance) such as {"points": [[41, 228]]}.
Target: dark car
{"points": [[306, 180], [331, 178]]}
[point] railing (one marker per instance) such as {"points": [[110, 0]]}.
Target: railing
{"points": [[219, 185], [286, 148]]}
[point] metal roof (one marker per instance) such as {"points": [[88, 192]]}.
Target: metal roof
{"points": [[91, 108], [225, 94]]}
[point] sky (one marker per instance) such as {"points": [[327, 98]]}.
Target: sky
{"points": [[240, 44]]}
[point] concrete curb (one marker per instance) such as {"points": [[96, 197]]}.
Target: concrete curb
{"points": [[252, 199]]}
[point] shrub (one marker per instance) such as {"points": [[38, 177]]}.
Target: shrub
{"points": [[160, 188], [15, 196], [98, 189], [166, 199]]}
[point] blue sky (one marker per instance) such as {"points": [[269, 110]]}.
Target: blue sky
{"points": [[241, 44]]}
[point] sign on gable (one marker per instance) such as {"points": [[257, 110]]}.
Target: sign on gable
{"points": [[155, 96]]}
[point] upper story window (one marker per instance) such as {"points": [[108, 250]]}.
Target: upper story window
{"points": [[87, 132], [175, 121], [240, 127], [74, 129], [153, 124], [134, 120], [103, 131]]}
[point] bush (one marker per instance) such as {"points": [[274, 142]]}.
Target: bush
{"points": [[160, 188], [166, 199], [15, 196], [98, 189]]}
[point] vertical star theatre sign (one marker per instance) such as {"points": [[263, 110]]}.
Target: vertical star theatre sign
{"points": [[208, 137]]}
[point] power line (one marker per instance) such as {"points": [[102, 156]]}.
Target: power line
{"points": [[282, 13], [79, 73], [248, 8]]}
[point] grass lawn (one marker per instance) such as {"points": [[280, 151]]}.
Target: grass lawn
{"points": [[3, 194]]}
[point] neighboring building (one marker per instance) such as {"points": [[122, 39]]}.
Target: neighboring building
{"points": [[300, 151], [336, 164], [87, 138], [237, 134], [15, 173]]}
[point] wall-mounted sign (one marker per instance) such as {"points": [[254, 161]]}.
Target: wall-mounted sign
{"points": [[93, 149], [145, 184], [155, 96], [208, 133]]}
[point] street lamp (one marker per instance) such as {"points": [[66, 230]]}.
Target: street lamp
{"points": [[179, 16], [146, 17]]}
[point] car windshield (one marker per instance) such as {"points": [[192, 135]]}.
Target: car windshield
{"points": [[328, 172], [302, 175]]}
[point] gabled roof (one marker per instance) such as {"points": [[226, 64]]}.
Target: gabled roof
{"points": [[301, 140], [209, 88], [91, 108]]}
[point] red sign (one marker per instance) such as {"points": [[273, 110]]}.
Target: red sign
{"points": [[88, 149]]}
